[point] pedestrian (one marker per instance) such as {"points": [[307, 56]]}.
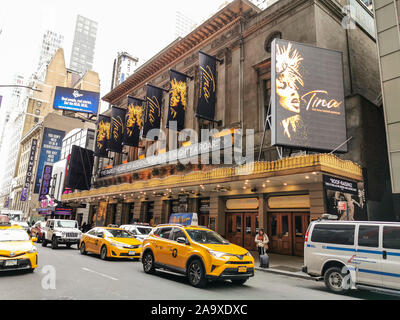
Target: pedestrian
{"points": [[83, 228], [262, 243]]}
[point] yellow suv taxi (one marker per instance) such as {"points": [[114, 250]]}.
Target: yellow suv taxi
{"points": [[17, 249], [199, 253], [111, 243]]}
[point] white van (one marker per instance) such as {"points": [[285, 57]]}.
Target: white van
{"points": [[351, 255]]}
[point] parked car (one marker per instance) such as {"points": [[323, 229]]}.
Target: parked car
{"points": [[59, 231], [140, 230], [351, 255], [197, 252], [17, 249], [111, 243], [37, 230]]}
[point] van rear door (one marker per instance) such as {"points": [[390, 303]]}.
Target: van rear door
{"points": [[391, 257], [368, 259]]}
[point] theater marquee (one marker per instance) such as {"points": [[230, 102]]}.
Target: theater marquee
{"points": [[308, 107]]}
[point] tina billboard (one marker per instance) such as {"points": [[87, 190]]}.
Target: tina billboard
{"points": [[76, 100], [308, 103]]}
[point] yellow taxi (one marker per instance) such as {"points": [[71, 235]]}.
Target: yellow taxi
{"points": [[197, 252], [17, 249], [111, 243]]}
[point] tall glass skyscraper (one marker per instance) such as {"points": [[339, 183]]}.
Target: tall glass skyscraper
{"points": [[83, 47]]}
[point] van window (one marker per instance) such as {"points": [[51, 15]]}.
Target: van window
{"points": [[391, 238], [368, 236], [333, 234]]}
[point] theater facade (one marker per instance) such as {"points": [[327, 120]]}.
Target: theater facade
{"points": [[278, 188]]}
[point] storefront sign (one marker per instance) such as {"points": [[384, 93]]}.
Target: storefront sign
{"points": [[308, 103], [168, 157], [76, 100], [204, 206], [289, 202], [245, 203], [28, 178], [345, 199], [50, 152]]}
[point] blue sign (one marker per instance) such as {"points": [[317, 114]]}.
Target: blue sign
{"points": [[185, 219], [50, 152], [76, 100]]}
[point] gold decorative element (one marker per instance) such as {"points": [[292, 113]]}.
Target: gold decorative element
{"points": [[178, 95], [326, 163]]}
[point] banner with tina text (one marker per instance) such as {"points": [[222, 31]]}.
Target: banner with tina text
{"points": [[153, 110], [208, 87], [102, 136], [133, 122], [177, 99], [117, 129]]}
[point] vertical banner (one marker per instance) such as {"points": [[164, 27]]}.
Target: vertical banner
{"points": [[177, 99], [153, 110], [208, 87], [117, 130], [102, 136], [28, 178], [133, 122], [46, 180], [50, 152]]}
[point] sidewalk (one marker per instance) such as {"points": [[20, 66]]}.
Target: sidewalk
{"points": [[285, 265]]}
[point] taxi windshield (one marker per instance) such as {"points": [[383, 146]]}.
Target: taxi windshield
{"points": [[117, 233], [143, 230], [13, 235], [206, 237]]}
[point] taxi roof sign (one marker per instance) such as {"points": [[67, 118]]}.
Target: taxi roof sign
{"points": [[184, 219]]}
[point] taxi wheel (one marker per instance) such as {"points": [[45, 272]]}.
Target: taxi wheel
{"points": [[335, 280], [103, 253], [239, 281], [148, 263], [82, 249], [196, 274]]}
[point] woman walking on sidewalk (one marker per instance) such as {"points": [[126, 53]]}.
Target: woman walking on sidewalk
{"points": [[262, 242]]}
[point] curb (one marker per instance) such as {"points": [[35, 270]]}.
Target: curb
{"points": [[286, 273]]}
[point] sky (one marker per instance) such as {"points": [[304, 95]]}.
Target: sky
{"points": [[141, 28]]}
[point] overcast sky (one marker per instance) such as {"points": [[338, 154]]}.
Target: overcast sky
{"points": [[140, 27]]}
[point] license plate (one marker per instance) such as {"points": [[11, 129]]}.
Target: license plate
{"points": [[242, 269], [132, 253], [11, 263]]}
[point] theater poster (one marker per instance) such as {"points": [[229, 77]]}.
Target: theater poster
{"points": [[207, 87], [152, 121], [115, 144], [308, 103], [177, 100], [133, 122], [352, 194], [102, 136]]}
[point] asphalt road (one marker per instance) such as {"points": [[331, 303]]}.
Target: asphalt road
{"points": [[87, 277]]}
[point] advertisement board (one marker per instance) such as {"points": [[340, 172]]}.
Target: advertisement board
{"points": [[76, 100], [308, 103], [345, 199], [185, 219], [28, 178], [50, 152]]}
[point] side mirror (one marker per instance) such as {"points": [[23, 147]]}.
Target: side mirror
{"points": [[100, 235], [182, 240], [34, 239]]}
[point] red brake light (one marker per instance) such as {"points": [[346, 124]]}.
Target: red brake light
{"points": [[306, 239]]}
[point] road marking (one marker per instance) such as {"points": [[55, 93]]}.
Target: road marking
{"points": [[100, 274]]}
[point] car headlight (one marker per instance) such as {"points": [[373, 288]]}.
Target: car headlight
{"points": [[218, 254], [118, 245], [33, 250]]}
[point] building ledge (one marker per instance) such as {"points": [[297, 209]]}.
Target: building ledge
{"points": [[325, 163]]}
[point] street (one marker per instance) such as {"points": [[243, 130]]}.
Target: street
{"points": [[87, 277]]}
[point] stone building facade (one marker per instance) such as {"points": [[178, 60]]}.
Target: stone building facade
{"points": [[280, 195]]}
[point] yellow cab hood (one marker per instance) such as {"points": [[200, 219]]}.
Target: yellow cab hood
{"points": [[128, 241], [15, 247], [226, 248]]}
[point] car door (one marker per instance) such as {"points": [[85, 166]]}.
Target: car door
{"points": [[391, 257], [162, 245], [368, 258], [97, 240], [178, 252], [89, 240], [50, 230]]}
